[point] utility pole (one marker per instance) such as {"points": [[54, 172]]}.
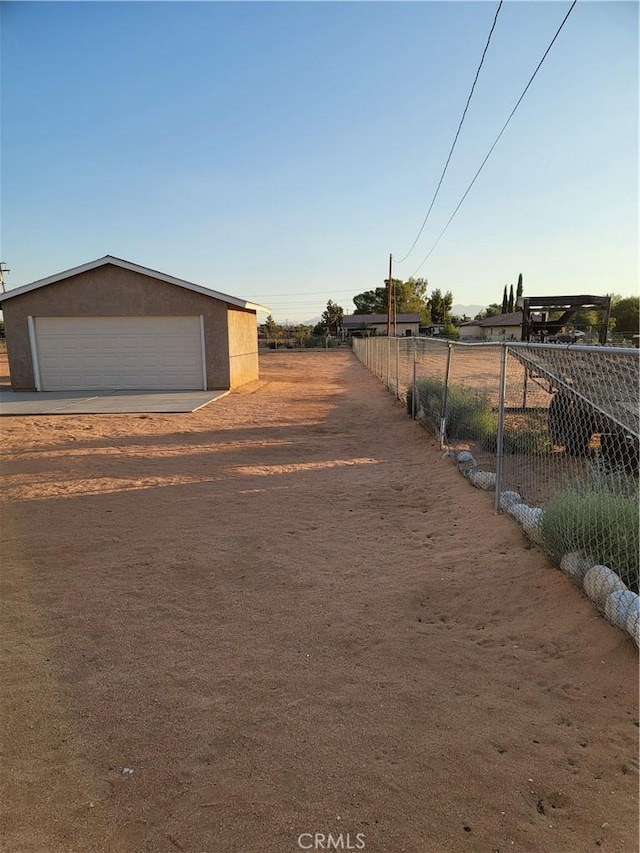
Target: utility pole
{"points": [[3, 270], [389, 297]]}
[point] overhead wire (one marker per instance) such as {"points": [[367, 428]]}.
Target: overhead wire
{"points": [[497, 139], [301, 293], [455, 140]]}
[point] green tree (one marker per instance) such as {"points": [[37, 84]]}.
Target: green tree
{"points": [[301, 333], [410, 297], [371, 301], [450, 331], [490, 311], [584, 319], [505, 301], [626, 313], [440, 306], [458, 319], [332, 318], [510, 306], [271, 330], [519, 289]]}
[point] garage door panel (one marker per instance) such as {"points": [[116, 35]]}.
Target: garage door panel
{"points": [[129, 353]]}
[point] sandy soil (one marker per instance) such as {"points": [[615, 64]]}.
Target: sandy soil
{"points": [[287, 614]]}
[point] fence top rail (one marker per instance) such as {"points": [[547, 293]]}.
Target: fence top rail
{"points": [[609, 350], [625, 351]]}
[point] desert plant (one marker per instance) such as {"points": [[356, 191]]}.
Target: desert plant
{"points": [[518, 440], [598, 520], [467, 415], [430, 394], [471, 416]]}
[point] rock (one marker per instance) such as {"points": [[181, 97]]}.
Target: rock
{"points": [[573, 565], [482, 479], [527, 516], [633, 625], [465, 461], [464, 457], [618, 606], [534, 532], [599, 583], [508, 499]]}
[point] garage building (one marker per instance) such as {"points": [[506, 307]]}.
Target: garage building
{"points": [[114, 325]]}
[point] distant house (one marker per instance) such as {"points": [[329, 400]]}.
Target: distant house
{"points": [[364, 325], [503, 327]]}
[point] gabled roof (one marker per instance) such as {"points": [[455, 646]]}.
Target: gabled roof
{"points": [[127, 265], [376, 319], [513, 319]]}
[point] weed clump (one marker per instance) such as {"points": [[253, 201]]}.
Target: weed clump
{"points": [[598, 518]]}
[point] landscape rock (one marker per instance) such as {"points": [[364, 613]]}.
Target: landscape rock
{"points": [[575, 566], [508, 499], [633, 625], [534, 532], [619, 605], [482, 479], [527, 516], [464, 457], [600, 582]]}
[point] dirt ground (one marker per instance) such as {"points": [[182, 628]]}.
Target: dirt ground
{"points": [[287, 614]]}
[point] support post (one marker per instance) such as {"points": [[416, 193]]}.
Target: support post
{"points": [[500, 443], [414, 402], [443, 413]]}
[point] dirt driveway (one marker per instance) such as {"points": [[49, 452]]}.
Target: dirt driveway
{"points": [[285, 614]]}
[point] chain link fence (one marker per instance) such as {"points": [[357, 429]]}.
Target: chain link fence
{"points": [[552, 431]]}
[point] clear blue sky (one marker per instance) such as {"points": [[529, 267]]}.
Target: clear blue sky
{"points": [[280, 151]]}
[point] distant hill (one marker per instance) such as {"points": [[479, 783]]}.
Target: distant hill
{"points": [[469, 310]]}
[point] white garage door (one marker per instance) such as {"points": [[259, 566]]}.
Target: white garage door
{"points": [[99, 353]]}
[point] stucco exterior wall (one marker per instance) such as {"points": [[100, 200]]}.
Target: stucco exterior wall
{"points": [[112, 291], [471, 332], [243, 346], [381, 328], [502, 333], [403, 328]]}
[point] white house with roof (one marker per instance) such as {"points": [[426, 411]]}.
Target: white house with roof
{"points": [[502, 327], [364, 325]]}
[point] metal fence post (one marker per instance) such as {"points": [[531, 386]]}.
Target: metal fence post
{"points": [[443, 413], [414, 402], [388, 360], [500, 444], [397, 368]]}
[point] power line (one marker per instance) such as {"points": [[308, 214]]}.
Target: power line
{"points": [[301, 293], [446, 165], [504, 127]]}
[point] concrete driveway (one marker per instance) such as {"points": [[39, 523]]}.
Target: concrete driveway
{"points": [[103, 402]]}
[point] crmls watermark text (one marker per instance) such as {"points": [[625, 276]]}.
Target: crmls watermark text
{"points": [[328, 841]]}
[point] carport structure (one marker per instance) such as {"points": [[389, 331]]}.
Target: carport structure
{"points": [[114, 325]]}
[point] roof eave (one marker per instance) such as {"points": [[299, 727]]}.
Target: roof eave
{"points": [[119, 262]]}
